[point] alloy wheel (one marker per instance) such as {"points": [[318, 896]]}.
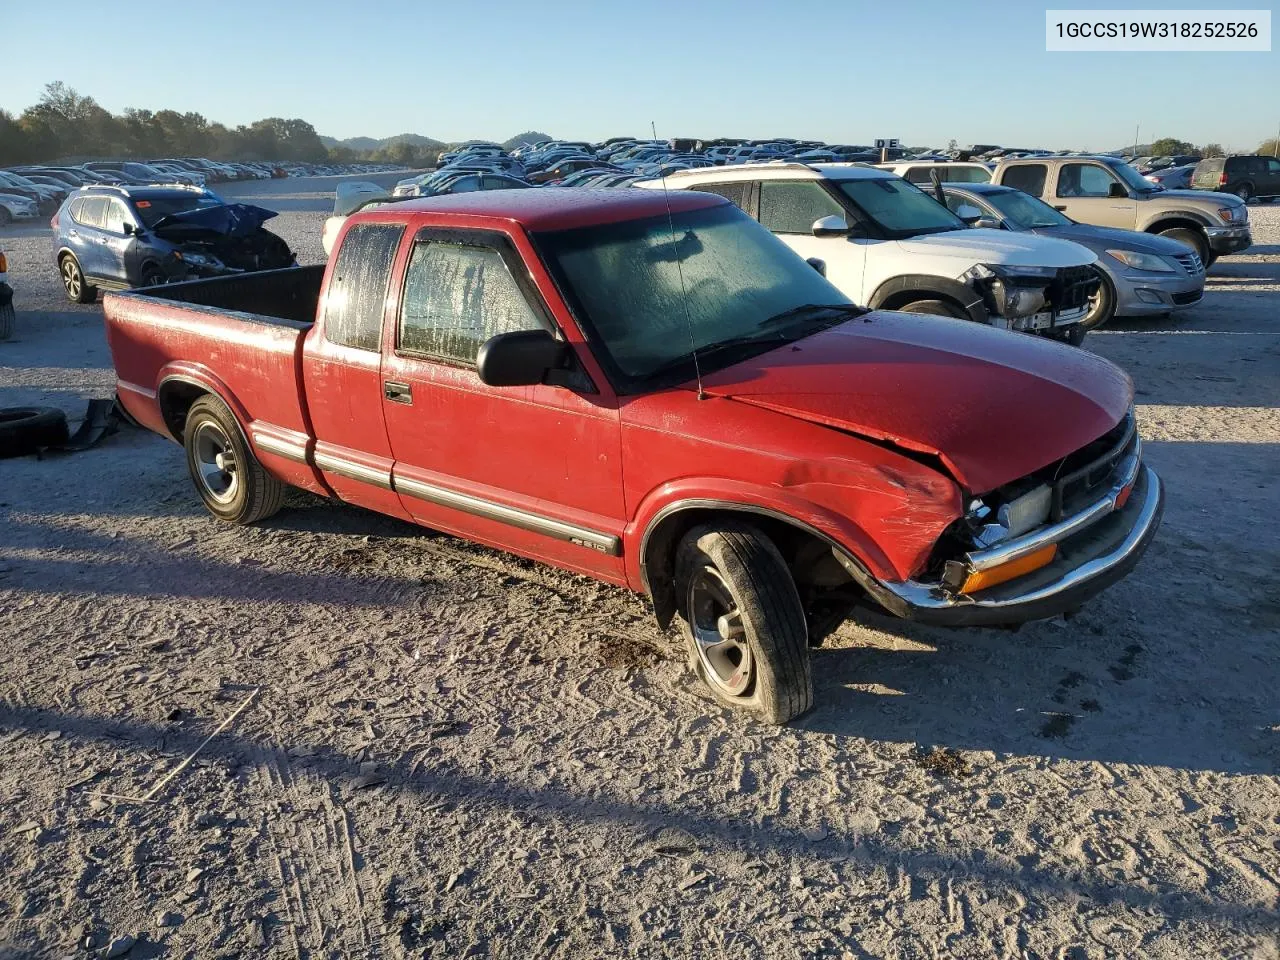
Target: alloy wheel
{"points": [[719, 634]]}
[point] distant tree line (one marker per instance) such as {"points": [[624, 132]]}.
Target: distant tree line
{"points": [[64, 124]]}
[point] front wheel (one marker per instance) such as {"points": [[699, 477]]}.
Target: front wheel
{"points": [[1102, 306], [936, 308], [744, 624], [232, 483], [1191, 238]]}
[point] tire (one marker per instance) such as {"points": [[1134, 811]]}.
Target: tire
{"points": [[7, 321], [936, 308], [1104, 306], [1191, 238], [1244, 192], [732, 579], [232, 483], [74, 284], [25, 430], [151, 276]]}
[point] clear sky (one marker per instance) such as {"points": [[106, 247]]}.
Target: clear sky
{"points": [[836, 70]]}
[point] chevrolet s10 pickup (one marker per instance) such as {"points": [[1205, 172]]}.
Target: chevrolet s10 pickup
{"points": [[654, 391]]}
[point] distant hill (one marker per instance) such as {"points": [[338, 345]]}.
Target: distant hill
{"points": [[366, 144], [369, 144]]}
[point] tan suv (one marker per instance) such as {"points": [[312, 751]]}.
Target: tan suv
{"points": [[1107, 192]]}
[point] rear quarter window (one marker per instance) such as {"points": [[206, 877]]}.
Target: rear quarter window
{"points": [[1029, 178], [357, 292], [735, 193]]}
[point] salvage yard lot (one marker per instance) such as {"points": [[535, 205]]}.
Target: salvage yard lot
{"points": [[455, 752]]}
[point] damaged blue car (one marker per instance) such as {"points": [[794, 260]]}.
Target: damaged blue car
{"points": [[116, 237]]}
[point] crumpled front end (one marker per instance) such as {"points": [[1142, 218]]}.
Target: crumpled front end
{"points": [[1039, 546], [1046, 301]]}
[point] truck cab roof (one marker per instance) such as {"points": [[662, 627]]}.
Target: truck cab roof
{"points": [[550, 210]]}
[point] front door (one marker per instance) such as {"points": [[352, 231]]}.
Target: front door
{"points": [[535, 469], [343, 373], [789, 209], [1088, 192]]}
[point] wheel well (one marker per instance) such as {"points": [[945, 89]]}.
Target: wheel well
{"points": [[176, 398], [900, 299], [1174, 223], [808, 556]]}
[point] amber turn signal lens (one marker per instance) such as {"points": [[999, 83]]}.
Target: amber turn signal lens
{"points": [[981, 579], [1123, 497], [4, 264]]}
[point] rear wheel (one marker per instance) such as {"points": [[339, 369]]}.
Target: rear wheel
{"points": [[232, 483], [1191, 238], [74, 283], [744, 624], [936, 308], [1244, 192]]}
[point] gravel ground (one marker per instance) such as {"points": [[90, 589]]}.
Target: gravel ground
{"points": [[452, 752]]}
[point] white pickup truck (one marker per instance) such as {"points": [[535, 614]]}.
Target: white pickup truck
{"points": [[889, 245]]}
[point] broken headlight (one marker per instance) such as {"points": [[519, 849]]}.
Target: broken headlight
{"points": [[1011, 291], [1013, 518]]}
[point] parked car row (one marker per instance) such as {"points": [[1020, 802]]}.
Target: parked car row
{"points": [[33, 190]]}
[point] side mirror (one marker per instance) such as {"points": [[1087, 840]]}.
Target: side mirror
{"points": [[968, 213], [819, 265], [519, 359], [1117, 191], [128, 229], [831, 226], [989, 223]]}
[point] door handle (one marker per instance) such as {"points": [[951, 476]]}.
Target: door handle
{"points": [[397, 392], [1057, 207]]}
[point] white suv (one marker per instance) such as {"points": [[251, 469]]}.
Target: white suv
{"points": [[888, 245], [919, 171]]}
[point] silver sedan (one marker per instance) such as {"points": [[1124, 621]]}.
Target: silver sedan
{"points": [[1144, 274]]}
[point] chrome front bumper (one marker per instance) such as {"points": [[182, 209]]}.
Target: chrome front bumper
{"points": [[1232, 239], [1096, 547]]}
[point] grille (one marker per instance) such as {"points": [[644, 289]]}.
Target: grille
{"points": [[1073, 287], [1086, 474], [1190, 262], [1191, 296]]}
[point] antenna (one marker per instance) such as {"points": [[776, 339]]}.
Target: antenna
{"points": [[684, 294]]}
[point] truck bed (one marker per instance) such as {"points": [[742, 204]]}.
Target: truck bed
{"points": [[291, 294], [240, 337]]}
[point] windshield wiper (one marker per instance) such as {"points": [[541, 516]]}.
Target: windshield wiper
{"points": [[805, 309]]}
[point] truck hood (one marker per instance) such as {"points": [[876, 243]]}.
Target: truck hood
{"points": [[206, 223], [993, 406], [999, 246], [1200, 198]]}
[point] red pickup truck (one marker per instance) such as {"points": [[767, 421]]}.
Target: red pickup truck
{"points": [[657, 393]]}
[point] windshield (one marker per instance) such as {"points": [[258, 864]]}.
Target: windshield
{"points": [[1132, 178], [625, 282], [1025, 210], [899, 207], [153, 209]]}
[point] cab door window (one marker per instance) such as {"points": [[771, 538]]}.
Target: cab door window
{"points": [[1084, 180]]}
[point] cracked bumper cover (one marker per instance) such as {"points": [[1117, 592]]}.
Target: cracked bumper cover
{"points": [[1091, 557]]}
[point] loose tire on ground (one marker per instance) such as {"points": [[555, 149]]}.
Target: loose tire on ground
{"points": [[936, 308], [1191, 238], [743, 621], [229, 479], [73, 282], [25, 430]]}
